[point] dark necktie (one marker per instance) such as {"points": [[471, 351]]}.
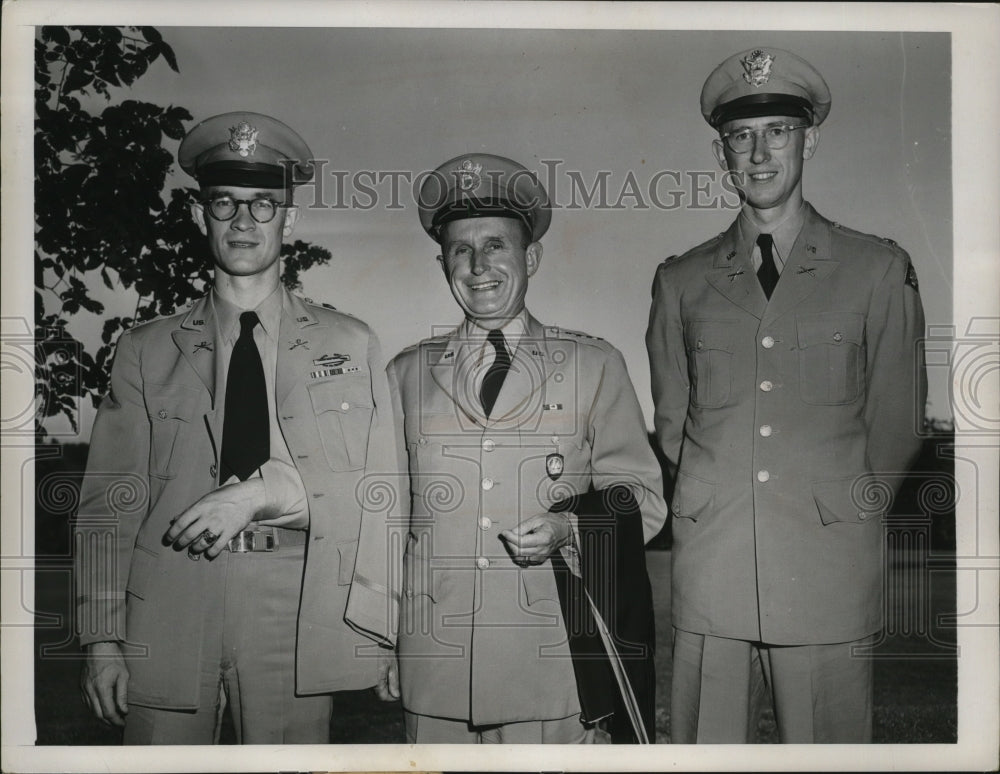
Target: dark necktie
{"points": [[493, 380], [245, 435], [768, 272]]}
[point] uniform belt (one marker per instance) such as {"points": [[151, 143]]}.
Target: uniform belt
{"points": [[266, 539]]}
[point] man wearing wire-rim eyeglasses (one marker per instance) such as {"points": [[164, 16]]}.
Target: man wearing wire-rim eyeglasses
{"points": [[786, 381]]}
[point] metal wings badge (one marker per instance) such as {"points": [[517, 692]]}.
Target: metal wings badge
{"points": [[757, 68]]}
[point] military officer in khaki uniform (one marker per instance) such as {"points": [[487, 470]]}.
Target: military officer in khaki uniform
{"points": [[503, 416], [219, 517], [786, 381]]}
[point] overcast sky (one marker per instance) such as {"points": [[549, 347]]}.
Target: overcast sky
{"points": [[578, 107]]}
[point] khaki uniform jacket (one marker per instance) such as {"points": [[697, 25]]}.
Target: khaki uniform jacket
{"points": [[480, 638], [777, 414], [154, 452]]}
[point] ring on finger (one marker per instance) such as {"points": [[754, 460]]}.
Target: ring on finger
{"points": [[208, 536]]}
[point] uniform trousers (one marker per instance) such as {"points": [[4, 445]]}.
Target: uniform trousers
{"points": [[820, 693], [426, 729], [247, 663]]}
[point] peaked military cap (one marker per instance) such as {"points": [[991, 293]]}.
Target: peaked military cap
{"points": [[764, 82], [481, 185], [243, 149]]}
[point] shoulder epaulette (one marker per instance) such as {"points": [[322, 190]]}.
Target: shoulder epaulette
{"points": [[554, 332]]}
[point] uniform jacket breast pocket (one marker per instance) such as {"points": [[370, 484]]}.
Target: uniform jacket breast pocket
{"points": [[171, 409], [709, 345], [343, 409], [831, 357], [564, 426]]}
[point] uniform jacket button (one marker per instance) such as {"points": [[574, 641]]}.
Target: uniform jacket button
{"points": [[838, 336], [489, 445], [488, 484], [162, 414], [763, 476], [482, 562], [767, 342]]}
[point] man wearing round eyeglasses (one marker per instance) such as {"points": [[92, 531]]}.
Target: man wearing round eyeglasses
{"points": [[235, 434], [788, 391]]}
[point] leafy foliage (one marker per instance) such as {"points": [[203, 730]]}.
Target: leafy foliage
{"points": [[101, 212]]}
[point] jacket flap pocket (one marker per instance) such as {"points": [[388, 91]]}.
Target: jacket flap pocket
{"points": [[838, 501], [143, 569], [692, 497], [348, 550], [835, 328], [165, 402], [709, 334], [341, 394], [539, 583]]}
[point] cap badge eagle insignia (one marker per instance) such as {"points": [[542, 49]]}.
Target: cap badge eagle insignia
{"points": [[243, 139], [757, 68], [469, 175]]}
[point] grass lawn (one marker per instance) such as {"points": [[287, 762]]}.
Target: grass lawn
{"points": [[915, 667]]}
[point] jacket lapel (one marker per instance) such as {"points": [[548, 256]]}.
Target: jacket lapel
{"points": [[298, 336], [452, 367], [809, 263], [733, 276], [195, 338]]}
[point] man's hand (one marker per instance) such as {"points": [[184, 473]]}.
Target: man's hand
{"points": [[104, 682], [536, 539], [387, 687], [223, 513]]}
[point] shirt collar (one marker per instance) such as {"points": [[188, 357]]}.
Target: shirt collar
{"points": [[268, 312], [784, 233], [513, 330]]}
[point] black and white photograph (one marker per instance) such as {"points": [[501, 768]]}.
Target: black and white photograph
{"points": [[384, 381]]}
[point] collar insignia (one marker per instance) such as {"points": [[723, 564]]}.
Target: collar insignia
{"points": [[203, 345]]}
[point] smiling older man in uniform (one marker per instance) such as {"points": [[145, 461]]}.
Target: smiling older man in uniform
{"points": [[220, 515], [786, 380], [503, 417]]}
